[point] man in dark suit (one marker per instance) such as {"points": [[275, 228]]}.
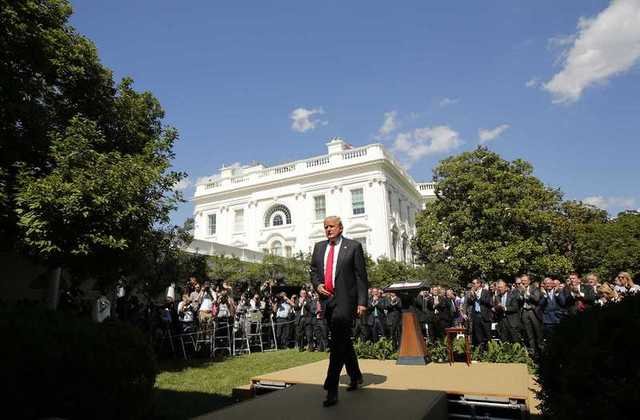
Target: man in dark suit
{"points": [[423, 305], [532, 314], [507, 309], [552, 305], [479, 306], [376, 316], [444, 308], [339, 275], [578, 296], [304, 322]]}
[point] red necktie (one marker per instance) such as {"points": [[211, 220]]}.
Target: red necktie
{"points": [[328, 271]]}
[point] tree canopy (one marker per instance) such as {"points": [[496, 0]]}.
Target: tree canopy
{"points": [[84, 162], [493, 218]]}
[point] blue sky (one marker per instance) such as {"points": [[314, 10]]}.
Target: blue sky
{"points": [[556, 83]]}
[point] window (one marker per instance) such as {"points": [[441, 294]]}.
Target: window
{"points": [[276, 248], [238, 221], [357, 201], [390, 206], [363, 242], [320, 207], [277, 220], [288, 251], [278, 209], [408, 214], [404, 249], [212, 224]]}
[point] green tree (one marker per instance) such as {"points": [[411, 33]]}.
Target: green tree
{"points": [[610, 247], [84, 163], [491, 218]]}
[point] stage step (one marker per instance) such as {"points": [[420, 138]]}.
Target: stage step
{"points": [[304, 401]]}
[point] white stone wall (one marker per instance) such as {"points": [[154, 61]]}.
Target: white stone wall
{"points": [[256, 189]]}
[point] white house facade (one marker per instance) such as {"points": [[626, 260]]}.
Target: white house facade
{"points": [[280, 209]]}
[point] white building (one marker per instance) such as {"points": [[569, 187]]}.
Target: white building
{"points": [[280, 209]]}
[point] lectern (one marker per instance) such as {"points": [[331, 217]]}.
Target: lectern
{"points": [[413, 349]]}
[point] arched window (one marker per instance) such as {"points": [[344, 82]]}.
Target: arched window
{"points": [[276, 248], [277, 215]]}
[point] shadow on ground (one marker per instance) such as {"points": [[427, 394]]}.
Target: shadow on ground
{"points": [[174, 405], [367, 379]]}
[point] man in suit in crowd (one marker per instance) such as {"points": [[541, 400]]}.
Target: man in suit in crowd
{"points": [[423, 305], [394, 318], [375, 314], [339, 275], [532, 315], [479, 305], [552, 304], [303, 321], [445, 310], [507, 310], [578, 296]]}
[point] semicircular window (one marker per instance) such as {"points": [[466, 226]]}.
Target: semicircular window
{"points": [[277, 215]]}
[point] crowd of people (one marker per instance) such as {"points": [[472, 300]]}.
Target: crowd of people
{"points": [[524, 310]]}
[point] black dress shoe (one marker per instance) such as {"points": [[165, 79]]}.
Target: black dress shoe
{"points": [[332, 399], [355, 384]]}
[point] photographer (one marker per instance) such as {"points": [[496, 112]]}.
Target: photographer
{"points": [[186, 315], [207, 299]]}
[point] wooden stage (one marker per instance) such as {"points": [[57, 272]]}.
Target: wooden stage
{"points": [[391, 391]]}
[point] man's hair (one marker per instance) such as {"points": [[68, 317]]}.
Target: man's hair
{"points": [[574, 273], [336, 218]]}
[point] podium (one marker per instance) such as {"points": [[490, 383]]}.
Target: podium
{"points": [[413, 349]]}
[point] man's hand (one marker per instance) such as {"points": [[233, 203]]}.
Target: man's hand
{"points": [[362, 310], [323, 291]]}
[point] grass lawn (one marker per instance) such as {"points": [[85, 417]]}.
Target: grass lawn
{"points": [[188, 389]]}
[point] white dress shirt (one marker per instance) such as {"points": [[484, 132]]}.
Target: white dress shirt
{"points": [[336, 251]]}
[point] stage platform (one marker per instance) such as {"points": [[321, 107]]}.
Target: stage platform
{"points": [[394, 391]]}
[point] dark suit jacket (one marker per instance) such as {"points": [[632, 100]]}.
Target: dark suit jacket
{"points": [[510, 315], [485, 304], [381, 305], [534, 300], [424, 309], [574, 303], [552, 308], [307, 311], [350, 285], [445, 309]]}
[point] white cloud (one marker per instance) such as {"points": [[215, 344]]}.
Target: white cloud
{"points": [[306, 119], [389, 125], [611, 203], [604, 46], [533, 82], [448, 101], [421, 142], [486, 134], [183, 184]]}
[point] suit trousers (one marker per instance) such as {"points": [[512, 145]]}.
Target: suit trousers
{"points": [[532, 330], [481, 329], [342, 354], [320, 332], [377, 328], [304, 331]]}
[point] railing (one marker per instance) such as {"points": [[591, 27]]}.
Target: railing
{"points": [[369, 152], [354, 154], [324, 160], [278, 170]]}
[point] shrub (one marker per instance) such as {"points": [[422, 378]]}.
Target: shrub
{"points": [[590, 366], [382, 349], [503, 352], [54, 365], [437, 352]]}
